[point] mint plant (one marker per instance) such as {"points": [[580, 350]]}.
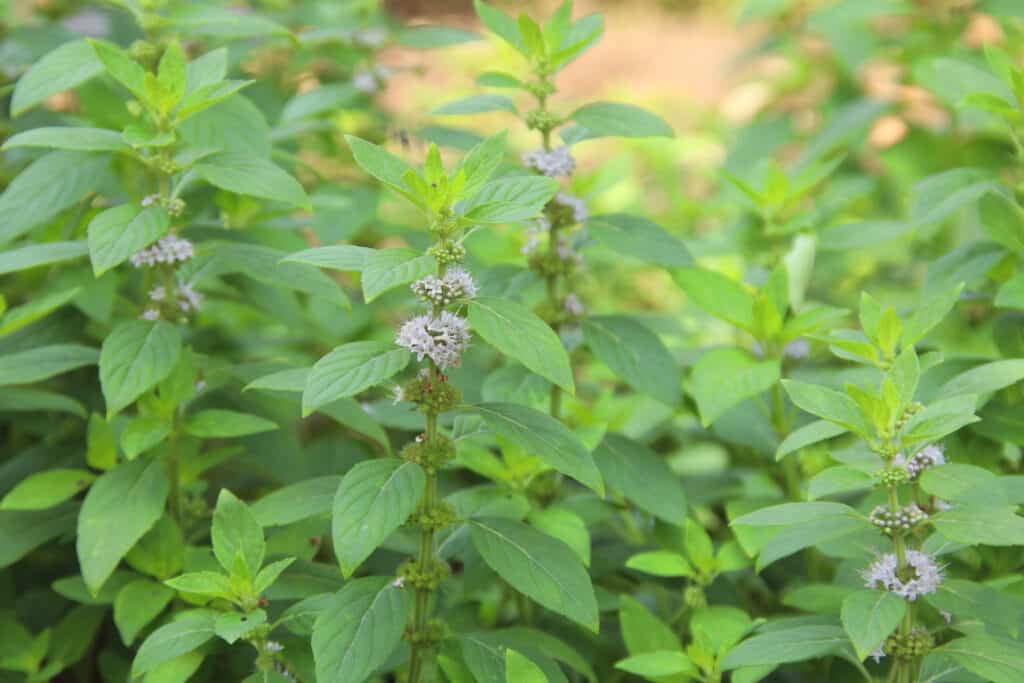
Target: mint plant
{"points": [[298, 385]]}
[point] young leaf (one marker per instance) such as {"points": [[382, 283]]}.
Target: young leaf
{"points": [[538, 566], [476, 104], [374, 499], [252, 175], [719, 295], [181, 636], [137, 604], [226, 424], [46, 489], [519, 669], [235, 532]]}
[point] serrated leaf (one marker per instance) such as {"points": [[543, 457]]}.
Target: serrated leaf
{"points": [[350, 369]]}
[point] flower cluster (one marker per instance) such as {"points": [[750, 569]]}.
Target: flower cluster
{"points": [[884, 573], [929, 456], [556, 163], [901, 520], [185, 298], [443, 338], [168, 249], [580, 213], [370, 81], [456, 284]]}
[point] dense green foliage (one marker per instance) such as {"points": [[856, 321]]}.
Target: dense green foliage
{"points": [[290, 392]]}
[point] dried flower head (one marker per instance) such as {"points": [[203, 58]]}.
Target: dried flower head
{"points": [[443, 339]]}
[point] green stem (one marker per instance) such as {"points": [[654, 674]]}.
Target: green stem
{"points": [[174, 471]]}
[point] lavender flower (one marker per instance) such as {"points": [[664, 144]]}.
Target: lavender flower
{"points": [[443, 338], [927, 457], [883, 573], [573, 306], [559, 162], [168, 249], [578, 206], [456, 284]]}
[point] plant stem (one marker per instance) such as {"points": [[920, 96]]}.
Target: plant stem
{"points": [[174, 471], [426, 555]]}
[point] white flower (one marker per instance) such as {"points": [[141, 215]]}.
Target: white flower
{"points": [[157, 294], [365, 82], [559, 162], [573, 306], [883, 573], [878, 654], [150, 200], [189, 300], [456, 284], [273, 646], [798, 349], [578, 206], [151, 314], [398, 394], [443, 339], [399, 582], [168, 249], [541, 225], [929, 456]]}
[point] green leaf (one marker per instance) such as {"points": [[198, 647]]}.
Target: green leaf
{"points": [[543, 437], [235, 532], [21, 532], [382, 165], [231, 626], [296, 502], [567, 527], [35, 365], [719, 295], [661, 563], [339, 257], [359, 629], [143, 433], [137, 604], [185, 634], [538, 566], [350, 369], [656, 664], [226, 424], [1002, 219], [841, 479], [984, 379], [49, 185], [974, 525], [792, 644], [517, 332], [62, 69], [869, 617], [66, 137], [36, 309], [956, 483], [117, 233], [135, 357], [620, 120], [794, 538], [29, 400], [46, 489], [828, 404], [724, 378], [171, 76], [476, 104], [643, 477], [635, 354], [427, 37], [122, 505], [206, 583], [500, 23], [939, 196], [809, 434], [519, 669], [123, 69], [34, 255], [996, 659], [374, 499], [264, 264], [386, 269], [792, 513], [481, 162], [640, 238], [509, 199], [254, 176]]}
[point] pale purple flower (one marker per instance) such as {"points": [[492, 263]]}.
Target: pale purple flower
{"points": [[883, 573], [573, 306], [927, 457], [168, 249], [151, 314], [150, 200], [443, 339], [578, 206], [456, 284], [878, 654], [556, 163]]}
